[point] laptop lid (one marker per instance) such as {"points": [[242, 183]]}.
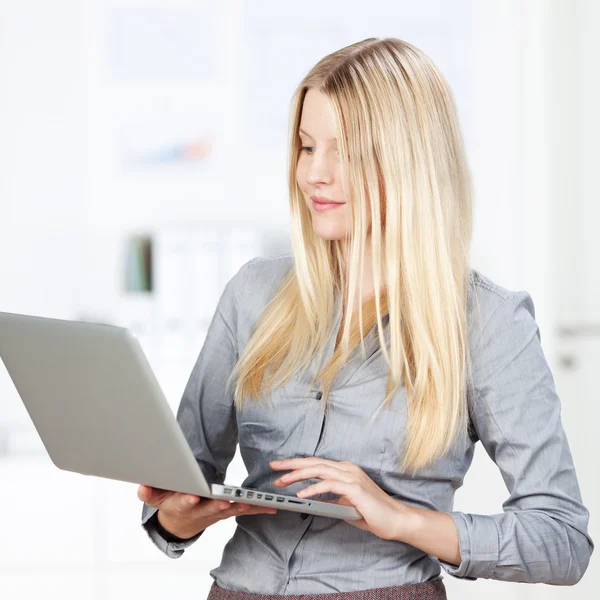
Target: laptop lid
{"points": [[96, 403]]}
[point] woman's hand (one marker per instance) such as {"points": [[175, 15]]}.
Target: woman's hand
{"points": [[186, 515], [381, 514]]}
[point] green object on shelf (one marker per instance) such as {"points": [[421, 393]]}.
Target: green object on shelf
{"points": [[138, 268]]}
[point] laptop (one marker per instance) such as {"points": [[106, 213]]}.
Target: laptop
{"points": [[99, 410]]}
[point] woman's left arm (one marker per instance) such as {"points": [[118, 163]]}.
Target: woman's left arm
{"points": [[542, 535]]}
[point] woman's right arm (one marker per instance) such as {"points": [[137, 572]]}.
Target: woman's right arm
{"points": [[178, 520]]}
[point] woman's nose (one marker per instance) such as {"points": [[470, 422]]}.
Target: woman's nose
{"points": [[319, 170]]}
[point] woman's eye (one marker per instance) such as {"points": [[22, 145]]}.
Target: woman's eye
{"points": [[306, 148]]}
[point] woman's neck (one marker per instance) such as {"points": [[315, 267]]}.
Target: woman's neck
{"points": [[368, 284]]}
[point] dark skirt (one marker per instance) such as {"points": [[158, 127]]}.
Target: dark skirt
{"points": [[427, 590]]}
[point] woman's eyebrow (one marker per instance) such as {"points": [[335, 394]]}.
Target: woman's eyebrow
{"points": [[333, 139]]}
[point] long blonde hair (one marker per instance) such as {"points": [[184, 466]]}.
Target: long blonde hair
{"points": [[403, 157]]}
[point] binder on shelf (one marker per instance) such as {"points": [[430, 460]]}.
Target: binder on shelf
{"points": [[136, 309], [138, 267]]}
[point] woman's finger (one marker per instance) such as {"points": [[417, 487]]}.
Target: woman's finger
{"points": [[335, 487], [246, 509], [210, 508], [188, 500], [310, 461], [320, 471], [153, 496]]}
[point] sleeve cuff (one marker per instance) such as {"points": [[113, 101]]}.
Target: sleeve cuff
{"points": [[479, 546], [171, 548]]}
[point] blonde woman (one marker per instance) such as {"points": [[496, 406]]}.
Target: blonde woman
{"points": [[363, 367]]}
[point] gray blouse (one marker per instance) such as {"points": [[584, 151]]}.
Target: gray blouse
{"points": [[541, 535]]}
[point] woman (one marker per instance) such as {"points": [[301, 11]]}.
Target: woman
{"points": [[379, 411]]}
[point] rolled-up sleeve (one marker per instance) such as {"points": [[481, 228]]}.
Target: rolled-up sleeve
{"points": [[206, 412], [542, 534]]}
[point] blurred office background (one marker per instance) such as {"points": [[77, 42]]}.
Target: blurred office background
{"points": [[142, 162]]}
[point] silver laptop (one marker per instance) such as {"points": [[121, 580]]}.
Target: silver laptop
{"points": [[99, 410]]}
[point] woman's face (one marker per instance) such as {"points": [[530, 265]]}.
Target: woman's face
{"points": [[319, 172]]}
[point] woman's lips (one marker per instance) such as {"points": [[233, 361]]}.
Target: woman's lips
{"points": [[323, 206]]}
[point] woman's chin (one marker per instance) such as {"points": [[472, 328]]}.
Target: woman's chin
{"points": [[327, 234]]}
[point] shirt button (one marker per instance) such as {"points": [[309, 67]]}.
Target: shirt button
{"points": [[319, 395], [303, 515]]}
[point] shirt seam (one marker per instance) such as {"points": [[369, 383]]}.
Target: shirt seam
{"points": [[487, 286]]}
